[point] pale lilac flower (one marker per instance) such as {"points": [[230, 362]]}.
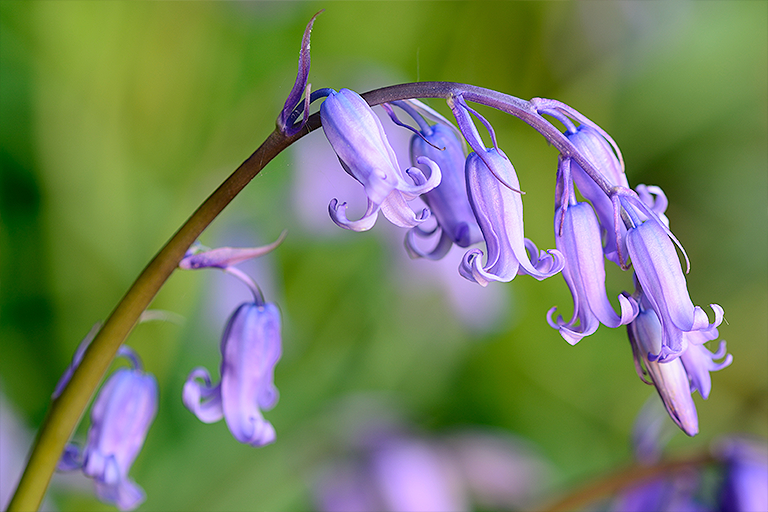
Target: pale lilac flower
{"points": [[578, 238], [603, 153], [250, 349], [661, 278], [494, 194], [359, 140], [120, 418], [448, 202], [670, 378]]}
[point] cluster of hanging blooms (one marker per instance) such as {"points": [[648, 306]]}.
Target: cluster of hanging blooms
{"points": [[474, 197], [127, 403]]}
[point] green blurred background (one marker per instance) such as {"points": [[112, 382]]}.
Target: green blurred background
{"points": [[118, 118]]}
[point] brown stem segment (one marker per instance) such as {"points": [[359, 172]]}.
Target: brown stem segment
{"points": [[616, 481]]}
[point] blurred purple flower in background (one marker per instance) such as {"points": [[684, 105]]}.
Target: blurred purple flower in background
{"points": [[120, 418], [386, 467], [746, 479]]}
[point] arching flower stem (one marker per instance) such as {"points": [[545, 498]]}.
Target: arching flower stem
{"points": [[65, 412]]}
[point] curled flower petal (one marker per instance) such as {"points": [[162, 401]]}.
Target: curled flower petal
{"points": [[250, 349], [359, 140], [338, 214], [577, 237], [204, 401], [653, 197], [499, 213], [120, 418]]}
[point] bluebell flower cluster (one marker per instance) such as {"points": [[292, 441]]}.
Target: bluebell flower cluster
{"points": [[599, 219], [472, 199]]}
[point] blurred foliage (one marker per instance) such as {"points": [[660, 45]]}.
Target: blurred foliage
{"points": [[118, 118]]}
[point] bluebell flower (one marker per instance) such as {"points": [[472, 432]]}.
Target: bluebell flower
{"points": [[578, 238], [670, 378], [120, 418], [495, 197], [358, 138], [250, 349], [661, 278], [604, 155], [448, 202]]}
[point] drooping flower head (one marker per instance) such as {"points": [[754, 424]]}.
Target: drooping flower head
{"points": [[494, 194], [250, 348], [578, 238], [670, 378], [448, 202], [120, 418], [358, 138]]}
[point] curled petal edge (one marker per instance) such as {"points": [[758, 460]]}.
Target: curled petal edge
{"points": [[396, 210], [338, 212], [203, 400], [541, 264]]}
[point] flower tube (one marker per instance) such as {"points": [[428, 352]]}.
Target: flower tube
{"points": [[120, 418], [358, 138]]}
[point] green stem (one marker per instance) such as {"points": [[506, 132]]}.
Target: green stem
{"points": [[66, 411]]}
